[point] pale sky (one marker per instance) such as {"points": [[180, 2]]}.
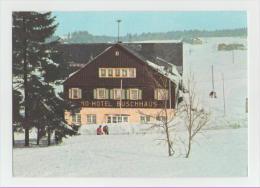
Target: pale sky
{"points": [[104, 22]]}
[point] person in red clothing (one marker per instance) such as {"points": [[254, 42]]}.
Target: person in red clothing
{"points": [[99, 130], [105, 130]]}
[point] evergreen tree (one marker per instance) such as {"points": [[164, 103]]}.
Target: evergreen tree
{"points": [[30, 29], [47, 110]]}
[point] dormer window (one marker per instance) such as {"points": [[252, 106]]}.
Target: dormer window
{"points": [[75, 93], [117, 53]]}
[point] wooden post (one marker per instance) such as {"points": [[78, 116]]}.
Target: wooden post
{"points": [[224, 102], [121, 85]]}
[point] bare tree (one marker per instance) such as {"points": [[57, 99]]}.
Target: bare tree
{"points": [[162, 85], [194, 116]]}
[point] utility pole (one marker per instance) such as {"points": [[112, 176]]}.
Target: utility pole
{"points": [[121, 92], [212, 74], [223, 81], [170, 95], [118, 23]]}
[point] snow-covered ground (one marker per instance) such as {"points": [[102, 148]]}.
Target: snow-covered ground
{"points": [[218, 153], [198, 59], [221, 150]]}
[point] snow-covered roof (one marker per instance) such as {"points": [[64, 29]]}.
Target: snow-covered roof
{"points": [[174, 77], [158, 41]]}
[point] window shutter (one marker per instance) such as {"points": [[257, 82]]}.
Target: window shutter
{"points": [[128, 94], [99, 72], [95, 93], [80, 93], [111, 94], [107, 93], [70, 94], [123, 94], [139, 94]]}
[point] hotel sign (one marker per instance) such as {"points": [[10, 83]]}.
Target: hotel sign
{"points": [[124, 104]]}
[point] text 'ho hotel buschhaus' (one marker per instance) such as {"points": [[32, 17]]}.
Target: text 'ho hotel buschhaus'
{"points": [[123, 82]]}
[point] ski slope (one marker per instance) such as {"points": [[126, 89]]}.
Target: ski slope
{"points": [[198, 60]]}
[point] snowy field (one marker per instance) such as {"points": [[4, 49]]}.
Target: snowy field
{"points": [[221, 151]]}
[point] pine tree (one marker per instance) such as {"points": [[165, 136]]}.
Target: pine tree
{"points": [[55, 104], [47, 110], [30, 29]]}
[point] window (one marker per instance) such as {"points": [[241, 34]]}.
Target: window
{"points": [[91, 119], [109, 119], [135, 94], [75, 93], [114, 119], [161, 118], [125, 119], [161, 94], [110, 72], [101, 93], [117, 72], [142, 119], [117, 53], [102, 72], [145, 119], [76, 119], [124, 72], [117, 94], [132, 73], [117, 119]]}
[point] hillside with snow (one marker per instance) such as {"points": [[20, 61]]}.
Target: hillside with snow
{"points": [[198, 59], [137, 151]]}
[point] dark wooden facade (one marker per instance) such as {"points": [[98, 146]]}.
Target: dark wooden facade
{"points": [[147, 79]]}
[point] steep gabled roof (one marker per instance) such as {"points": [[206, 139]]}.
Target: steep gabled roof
{"points": [[83, 53], [173, 76], [90, 61]]}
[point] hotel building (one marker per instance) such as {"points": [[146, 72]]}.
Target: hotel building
{"points": [[125, 83]]}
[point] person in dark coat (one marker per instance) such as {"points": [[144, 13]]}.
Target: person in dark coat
{"points": [[99, 130], [58, 137], [105, 129]]}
